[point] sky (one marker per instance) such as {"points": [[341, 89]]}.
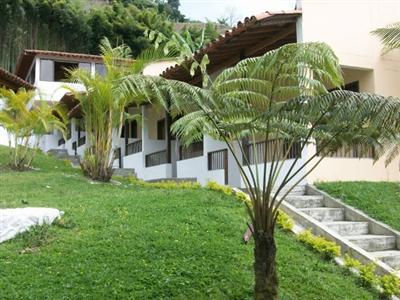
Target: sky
{"points": [[234, 10]]}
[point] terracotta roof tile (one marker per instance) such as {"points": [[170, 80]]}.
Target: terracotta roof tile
{"points": [[12, 81], [266, 20]]}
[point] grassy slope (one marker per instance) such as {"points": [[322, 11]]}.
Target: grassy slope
{"points": [[380, 200], [144, 243]]}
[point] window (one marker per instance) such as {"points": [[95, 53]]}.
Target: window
{"points": [[100, 69], [123, 131], [46, 70], [85, 66], [58, 70], [61, 70], [352, 86], [133, 130], [32, 75], [69, 128], [161, 129]]}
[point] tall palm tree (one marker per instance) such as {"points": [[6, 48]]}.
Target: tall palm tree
{"points": [[280, 96], [104, 102], [26, 124], [390, 36]]}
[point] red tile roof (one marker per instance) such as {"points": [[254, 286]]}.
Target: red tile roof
{"points": [[12, 81], [26, 59], [253, 37]]}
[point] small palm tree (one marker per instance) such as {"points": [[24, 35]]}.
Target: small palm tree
{"points": [[281, 96], [105, 100], [390, 36], [26, 124]]}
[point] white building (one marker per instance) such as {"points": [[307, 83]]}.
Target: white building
{"points": [[149, 147]]}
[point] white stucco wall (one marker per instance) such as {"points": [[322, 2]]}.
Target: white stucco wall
{"points": [[346, 26]]}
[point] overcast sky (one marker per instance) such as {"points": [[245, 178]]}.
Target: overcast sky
{"points": [[238, 9]]}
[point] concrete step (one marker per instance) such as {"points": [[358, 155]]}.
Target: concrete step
{"points": [[373, 242], [124, 172], [325, 214], [391, 257], [298, 190], [304, 201], [58, 153], [348, 228]]}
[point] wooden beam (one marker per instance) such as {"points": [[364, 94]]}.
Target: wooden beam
{"points": [[264, 44]]}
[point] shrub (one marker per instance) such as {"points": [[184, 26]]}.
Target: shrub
{"points": [[351, 262], [243, 197], [215, 186], [284, 221], [367, 274], [390, 284], [327, 248]]}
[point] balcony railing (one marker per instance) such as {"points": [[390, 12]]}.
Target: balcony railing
{"points": [[217, 160], [82, 141], [191, 151], [255, 153], [133, 148], [156, 158], [351, 151]]}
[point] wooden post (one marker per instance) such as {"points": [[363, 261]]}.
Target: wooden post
{"points": [[126, 131], [168, 121]]}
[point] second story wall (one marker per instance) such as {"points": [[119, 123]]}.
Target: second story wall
{"points": [[346, 26]]}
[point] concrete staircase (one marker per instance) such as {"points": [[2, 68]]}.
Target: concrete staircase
{"points": [[124, 172], [359, 235], [63, 154]]}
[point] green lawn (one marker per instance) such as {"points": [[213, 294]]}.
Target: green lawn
{"points": [[380, 200], [132, 242]]}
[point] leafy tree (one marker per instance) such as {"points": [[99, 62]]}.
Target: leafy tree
{"points": [[223, 21], [390, 36], [25, 126], [104, 102], [171, 8], [42, 24], [125, 23], [281, 97]]}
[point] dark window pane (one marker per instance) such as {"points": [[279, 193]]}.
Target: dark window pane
{"points": [[353, 86], [60, 70], [123, 131], [46, 70], [100, 69], [161, 129], [133, 131]]}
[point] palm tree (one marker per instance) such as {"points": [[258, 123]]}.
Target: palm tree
{"points": [[390, 36], [281, 97], [105, 100], [26, 124]]}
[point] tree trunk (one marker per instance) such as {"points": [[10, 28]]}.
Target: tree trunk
{"points": [[266, 286]]}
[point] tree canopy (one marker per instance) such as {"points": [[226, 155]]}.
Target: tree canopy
{"points": [[73, 25]]}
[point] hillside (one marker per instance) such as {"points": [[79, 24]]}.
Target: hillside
{"points": [[129, 241]]}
